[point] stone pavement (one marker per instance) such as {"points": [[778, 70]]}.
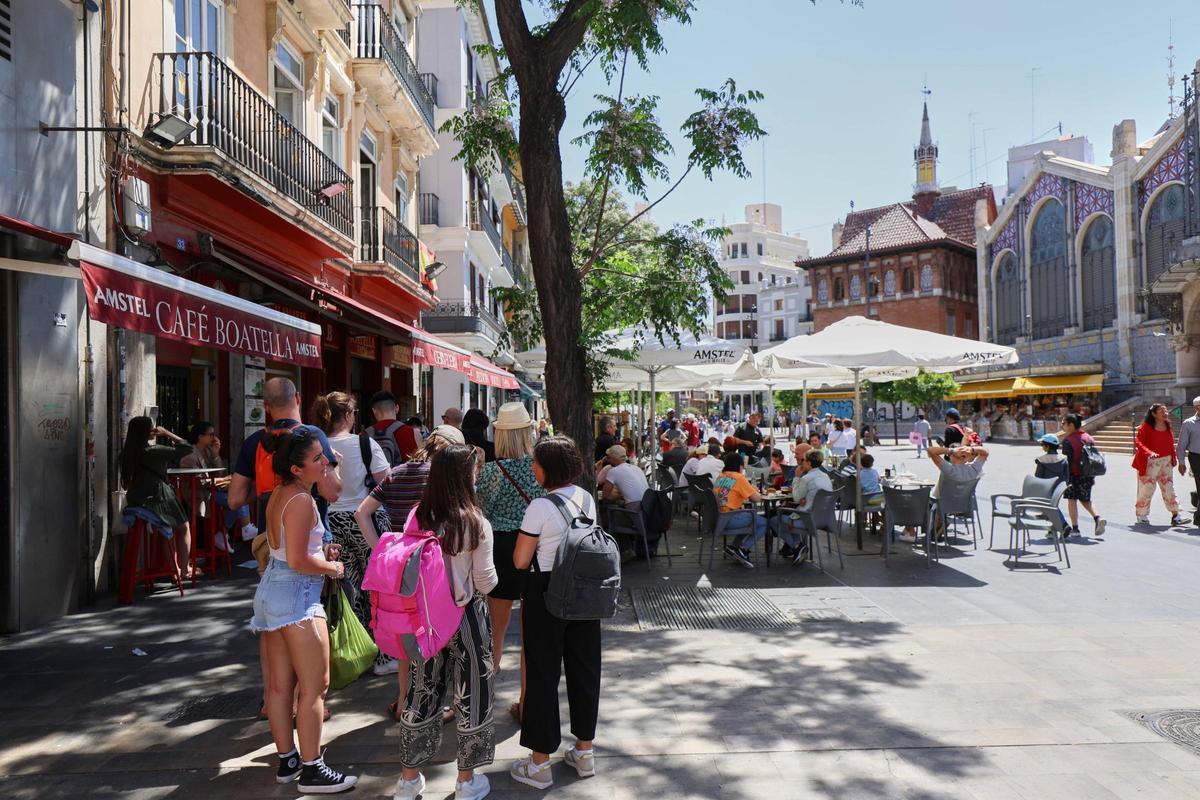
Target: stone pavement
{"points": [[966, 680]]}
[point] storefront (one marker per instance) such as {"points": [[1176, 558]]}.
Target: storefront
{"points": [[1024, 407]]}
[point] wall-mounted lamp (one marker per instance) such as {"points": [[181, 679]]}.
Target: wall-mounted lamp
{"points": [[169, 130]]}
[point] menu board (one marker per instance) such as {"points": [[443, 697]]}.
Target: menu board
{"points": [[255, 373]]}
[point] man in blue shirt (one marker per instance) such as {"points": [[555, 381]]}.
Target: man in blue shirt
{"points": [[283, 409]]}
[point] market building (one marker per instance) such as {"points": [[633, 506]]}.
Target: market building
{"points": [[1084, 271], [909, 263]]}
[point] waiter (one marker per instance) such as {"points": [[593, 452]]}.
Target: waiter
{"points": [[1189, 453]]}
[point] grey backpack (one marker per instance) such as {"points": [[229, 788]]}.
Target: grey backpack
{"points": [[586, 578]]}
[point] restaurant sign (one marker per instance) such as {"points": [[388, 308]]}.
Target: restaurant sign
{"points": [[400, 355], [119, 299], [362, 347], [432, 355]]}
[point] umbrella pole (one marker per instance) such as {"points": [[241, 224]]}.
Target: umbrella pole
{"points": [[654, 433], [804, 407], [858, 499], [637, 418]]}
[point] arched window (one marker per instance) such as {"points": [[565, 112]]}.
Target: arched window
{"points": [[1099, 275], [906, 283], [1008, 300], [1049, 301], [1164, 229], [839, 289]]}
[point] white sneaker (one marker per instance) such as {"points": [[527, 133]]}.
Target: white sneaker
{"points": [[1143, 520], [385, 665], [410, 790], [222, 543], [475, 789], [583, 761], [536, 775]]}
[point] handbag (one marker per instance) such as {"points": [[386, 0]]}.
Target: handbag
{"points": [[351, 650]]}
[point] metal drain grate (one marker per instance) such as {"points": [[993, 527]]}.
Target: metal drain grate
{"points": [[230, 705], [1181, 726], [693, 608]]}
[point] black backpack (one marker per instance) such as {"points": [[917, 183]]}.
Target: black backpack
{"points": [[586, 580], [364, 450], [1092, 463], [386, 439], [658, 511]]}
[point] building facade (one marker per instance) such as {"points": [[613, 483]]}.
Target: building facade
{"points": [[909, 263], [757, 255], [1078, 269], [475, 223]]}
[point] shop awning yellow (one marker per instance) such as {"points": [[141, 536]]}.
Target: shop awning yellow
{"points": [[1060, 384], [834, 395], [983, 390]]}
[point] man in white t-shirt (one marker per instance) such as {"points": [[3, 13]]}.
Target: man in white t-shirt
{"points": [[624, 482], [709, 464]]}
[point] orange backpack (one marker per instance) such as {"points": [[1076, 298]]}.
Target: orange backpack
{"points": [[265, 479]]}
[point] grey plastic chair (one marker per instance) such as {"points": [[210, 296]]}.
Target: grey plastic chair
{"points": [[717, 526], [1031, 489], [908, 508], [1039, 515], [753, 474], [697, 485], [823, 517], [622, 520], [956, 503]]}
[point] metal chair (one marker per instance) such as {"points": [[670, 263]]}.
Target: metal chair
{"points": [[697, 485], [1031, 489], [1039, 515], [908, 508], [822, 517], [625, 521], [671, 496], [756, 474], [666, 477], [789, 474], [955, 503], [717, 525]]}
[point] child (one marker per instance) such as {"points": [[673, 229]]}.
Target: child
{"points": [[1051, 463], [872, 491], [777, 469]]}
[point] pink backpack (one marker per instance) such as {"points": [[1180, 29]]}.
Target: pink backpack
{"points": [[413, 612]]}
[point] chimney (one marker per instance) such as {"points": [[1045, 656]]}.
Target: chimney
{"points": [[837, 234]]}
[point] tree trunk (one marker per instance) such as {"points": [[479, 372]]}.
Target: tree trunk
{"points": [[560, 295]]}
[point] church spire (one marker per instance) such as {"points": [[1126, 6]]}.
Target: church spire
{"points": [[925, 190]]}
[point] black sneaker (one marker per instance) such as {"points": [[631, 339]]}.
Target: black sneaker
{"points": [[1073, 530], [787, 552], [1100, 525], [320, 778], [801, 554], [289, 768], [739, 555]]}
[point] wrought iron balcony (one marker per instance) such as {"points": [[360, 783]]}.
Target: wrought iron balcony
{"points": [[379, 39], [430, 81], [385, 239], [778, 337], [460, 316], [478, 219], [506, 261], [429, 205], [231, 117], [518, 193]]}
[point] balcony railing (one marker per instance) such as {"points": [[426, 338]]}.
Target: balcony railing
{"points": [[506, 261], [462, 317], [480, 220], [518, 260], [377, 38], [429, 80], [518, 192], [429, 205], [344, 33], [230, 116], [383, 238]]}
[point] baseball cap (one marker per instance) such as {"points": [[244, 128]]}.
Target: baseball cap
{"points": [[1049, 438], [952, 412], [449, 433]]}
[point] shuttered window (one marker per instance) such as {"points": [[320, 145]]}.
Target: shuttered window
{"points": [[1008, 300], [1098, 275], [1164, 230]]}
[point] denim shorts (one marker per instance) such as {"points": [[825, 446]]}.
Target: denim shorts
{"points": [[285, 597]]}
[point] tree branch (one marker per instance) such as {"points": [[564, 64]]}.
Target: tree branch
{"points": [[519, 43], [607, 172], [647, 209], [563, 37], [570, 84]]}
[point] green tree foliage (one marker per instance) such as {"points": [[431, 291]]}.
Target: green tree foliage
{"points": [[921, 390], [790, 398]]}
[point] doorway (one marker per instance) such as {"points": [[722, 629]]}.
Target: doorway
{"points": [[173, 396]]}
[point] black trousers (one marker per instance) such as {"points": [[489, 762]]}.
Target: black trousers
{"points": [[552, 644], [1194, 466]]}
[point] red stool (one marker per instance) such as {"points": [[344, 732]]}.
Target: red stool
{"points": [[148, 556], [213, 524]]}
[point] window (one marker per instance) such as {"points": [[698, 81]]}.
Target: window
{"points": [[760, 277], [839, 289], [778, 335], [289, 83], [872, 285], [733, 251], [951, 330], [1099, 276], [926, 278], [745, 254], [779, 305], [745, 276], [906, 283], [1049, 303], [402, 197], [823, 291], [331, 129], [760, 249], [1164, 230], [1008, 300], [889, 283], [199, 25], [472, 286]]}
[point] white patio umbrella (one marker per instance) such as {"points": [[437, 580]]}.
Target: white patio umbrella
{"points": [[879, 351], [679, 362]]}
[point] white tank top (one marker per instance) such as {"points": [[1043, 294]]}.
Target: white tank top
{"points": [[316, 536]]}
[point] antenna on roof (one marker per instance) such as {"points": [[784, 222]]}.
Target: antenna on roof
{"points": [[1171, 70]]}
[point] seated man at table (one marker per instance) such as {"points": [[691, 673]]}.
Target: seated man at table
{"points": [[674, 459], [707, 461], [956, 465], [732, 491], [809, 480]]}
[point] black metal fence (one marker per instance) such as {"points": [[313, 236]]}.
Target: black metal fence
{"points": [[229, 115], [385, 238], [481, 220], [428, 210]]}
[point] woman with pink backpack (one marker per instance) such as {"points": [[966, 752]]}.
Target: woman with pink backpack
{"points": [[449, 511]]}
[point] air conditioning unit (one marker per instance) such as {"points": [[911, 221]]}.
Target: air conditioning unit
{"points": [[135, 195]]}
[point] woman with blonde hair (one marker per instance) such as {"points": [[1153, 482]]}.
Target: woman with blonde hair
{"points": [[505, 489]]}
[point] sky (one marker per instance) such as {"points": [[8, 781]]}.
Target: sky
{"points": [[843, 88]]}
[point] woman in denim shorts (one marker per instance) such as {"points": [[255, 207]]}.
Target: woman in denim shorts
{"points": [[288, 612]]}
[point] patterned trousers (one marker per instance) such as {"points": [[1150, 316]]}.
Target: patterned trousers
{"points": [[466, 664], [355, 555], [1158, 473]]}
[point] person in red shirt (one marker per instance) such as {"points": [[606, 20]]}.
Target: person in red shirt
{"points": [[407, 435], [1154, 458], [692, 428]]}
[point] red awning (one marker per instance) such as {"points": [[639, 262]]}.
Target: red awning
{"points": [[36, 231], [130, 295], [486, 373]]}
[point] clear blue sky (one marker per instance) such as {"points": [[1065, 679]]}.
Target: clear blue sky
{"points": [[843, 91]]}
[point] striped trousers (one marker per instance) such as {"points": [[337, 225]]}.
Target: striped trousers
{"points": [[465, 664]]}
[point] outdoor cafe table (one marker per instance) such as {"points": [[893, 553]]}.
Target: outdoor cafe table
{"points": [[194, 476], [769, 501]]}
